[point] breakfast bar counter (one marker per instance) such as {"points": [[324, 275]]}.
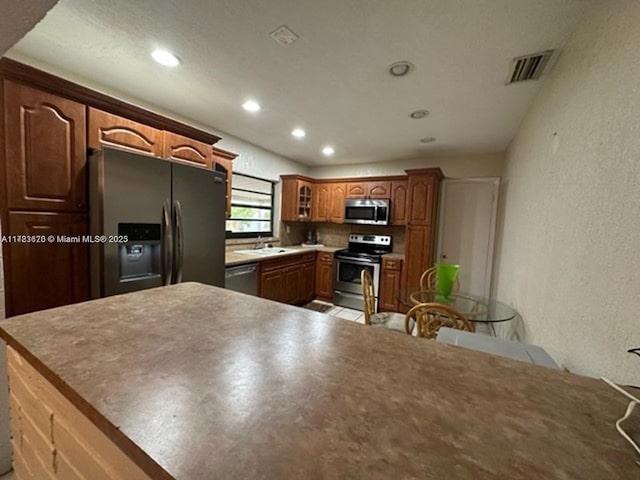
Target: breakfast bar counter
{"points": [[195, 382]]}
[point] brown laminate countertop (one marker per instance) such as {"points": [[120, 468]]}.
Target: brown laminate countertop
{"points": [[232, 258], [197, 382], [394, 256]]}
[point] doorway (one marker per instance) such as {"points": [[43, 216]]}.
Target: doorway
{"points": [[467, 228]]}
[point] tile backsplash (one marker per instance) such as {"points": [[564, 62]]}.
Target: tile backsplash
{"points": [[337, 235]]}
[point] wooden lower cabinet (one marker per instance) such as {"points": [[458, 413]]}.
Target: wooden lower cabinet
{"points": [[324, 276], [46, 274], [288, 280], [390, 281], [308, 283]]}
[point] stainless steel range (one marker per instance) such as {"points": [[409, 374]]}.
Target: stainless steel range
{"points": [[364, 252]]}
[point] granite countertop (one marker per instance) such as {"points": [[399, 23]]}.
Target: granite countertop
{"points": [[232, 258], [197, 382], [394, 256]]}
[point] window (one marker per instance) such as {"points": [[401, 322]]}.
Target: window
{"points": [[251, 207]]}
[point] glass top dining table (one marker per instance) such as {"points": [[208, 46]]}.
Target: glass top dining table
{"points": [[474, 307]]}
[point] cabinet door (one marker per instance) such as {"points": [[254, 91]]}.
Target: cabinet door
{"points": [[337, 193], [45, 148], [308, 282], [289, 201], [110, 130], [356, 190], [321, 203], [304, 200], [272, 285], [378, 189], [225, 166], [324, 277], [420, 201], [399, 202], [292, 285], [49, 274], [389, 288], [186, 150], [418, 253]]}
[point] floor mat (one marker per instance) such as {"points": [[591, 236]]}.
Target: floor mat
{"points": [[318, 307]]}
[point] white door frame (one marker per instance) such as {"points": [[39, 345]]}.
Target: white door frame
{"points": [[492, 231]]}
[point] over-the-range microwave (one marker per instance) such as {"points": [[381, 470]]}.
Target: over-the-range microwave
{"points": [[367, 211]]}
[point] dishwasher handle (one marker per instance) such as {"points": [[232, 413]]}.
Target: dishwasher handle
{"points": [[237, 271]]}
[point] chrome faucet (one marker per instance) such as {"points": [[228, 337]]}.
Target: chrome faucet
{"points": [[259, 243]]}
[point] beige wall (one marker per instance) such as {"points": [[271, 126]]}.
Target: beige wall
{"points": [[569, 257], [460, 166]]}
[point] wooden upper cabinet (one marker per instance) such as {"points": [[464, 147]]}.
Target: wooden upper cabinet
{"points": [[337, 194], [186, 150], [106, 129], [223, 162], [356, 190], [321, 203], [368, 190], [399, 202], [297, 199], [45, 149], [422, 195]]}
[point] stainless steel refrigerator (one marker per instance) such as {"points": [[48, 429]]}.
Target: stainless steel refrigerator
{"points": [[161, 223]]}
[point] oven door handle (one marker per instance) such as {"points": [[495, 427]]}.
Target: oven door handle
{"points": [[359, 261]]}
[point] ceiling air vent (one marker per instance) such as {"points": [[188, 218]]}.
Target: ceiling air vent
{"points": [[529, 67]]}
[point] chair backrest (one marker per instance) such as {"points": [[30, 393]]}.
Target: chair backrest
{"points": [[429, 317], [429, 280], [368, 294]]}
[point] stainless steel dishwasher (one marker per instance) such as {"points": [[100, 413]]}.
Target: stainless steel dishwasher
{"points": [[243, 278]]}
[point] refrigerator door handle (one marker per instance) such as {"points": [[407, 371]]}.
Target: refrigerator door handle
{"points": [[179, 253], [167, 243]]}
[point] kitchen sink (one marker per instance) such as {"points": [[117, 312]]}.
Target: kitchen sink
{"points": [[267, 251]]}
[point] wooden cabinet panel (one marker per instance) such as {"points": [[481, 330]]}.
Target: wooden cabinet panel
{"points": [[379, 189], [399, 202], [45, 149], [421, 199], [297, 200], [50, 274], [337, 194], [368, 190], [272, 285], [307, 291], [186, 150], [324, 276], [223, 162], [389, 288], [106, 129], [321, 203], [292, 284], [418, 253], [356, 190], [390, 280]]}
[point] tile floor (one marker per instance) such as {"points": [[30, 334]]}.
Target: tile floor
{"points": [[7, 476], [343, 313]]}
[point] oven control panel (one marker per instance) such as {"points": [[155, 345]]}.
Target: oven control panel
{"points": [[370, 239]]}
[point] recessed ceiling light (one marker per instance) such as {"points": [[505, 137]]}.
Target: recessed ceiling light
{"points": [[400, 69], [428, 139], [251, 106], [328, 151], [418, 114], [298, 133], [165, 58]]}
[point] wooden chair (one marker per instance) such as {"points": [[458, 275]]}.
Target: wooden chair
{"points": [[429, 317], [390, 320], [429, 281]]}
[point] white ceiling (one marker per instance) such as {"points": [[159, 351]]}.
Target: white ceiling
{"points": [[18, 17], [332, 81]]}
